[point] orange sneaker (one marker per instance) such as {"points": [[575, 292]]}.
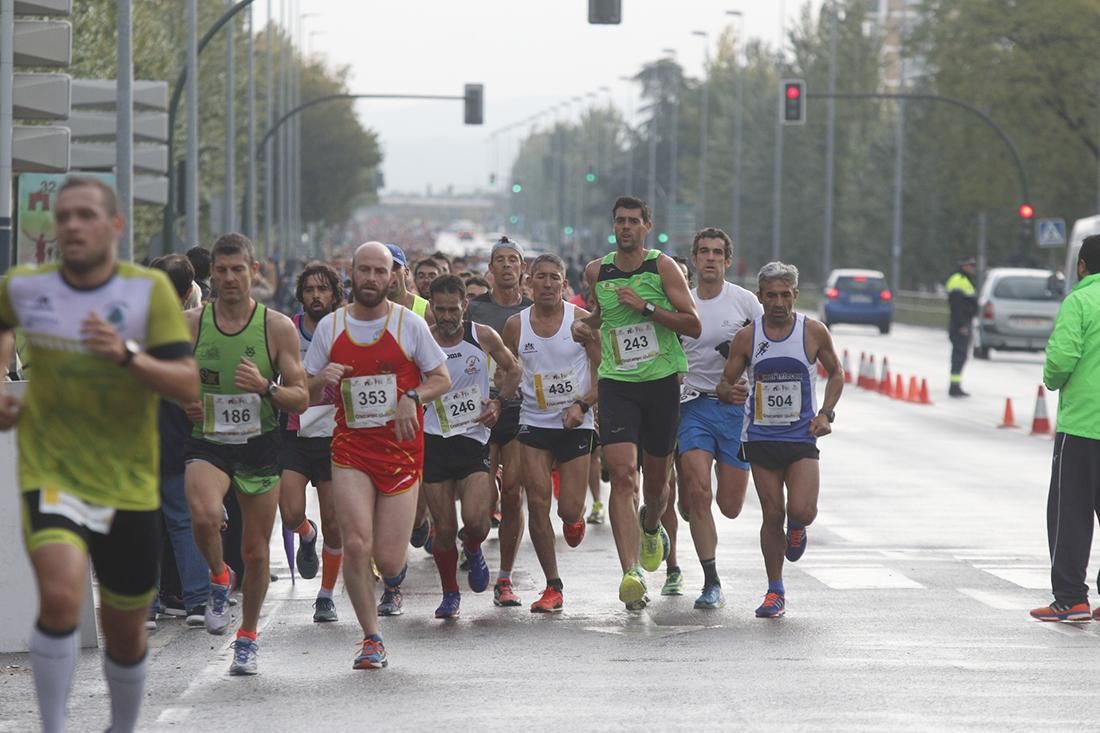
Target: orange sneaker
{"points": [[503, 595], [1063, 612], [550, 602], [573, 533]]}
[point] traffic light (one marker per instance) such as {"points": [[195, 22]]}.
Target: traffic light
{"points": [[517, 187], [794, 101], [513, 219], [492, 179], [662, 238], [568, 231], [474, 96], [605, 12], [1027, 221], [1027, 212], [590, 176]]}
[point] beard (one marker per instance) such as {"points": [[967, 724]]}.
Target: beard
{"points": [[369, 298], [317, 311], [82, 266]]}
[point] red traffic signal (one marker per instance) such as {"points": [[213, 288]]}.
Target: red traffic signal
{"points": [[1027, 211], [793, 91], [793, 110]]}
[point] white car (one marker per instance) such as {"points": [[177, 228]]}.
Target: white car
{"points": [[1016, 310]]}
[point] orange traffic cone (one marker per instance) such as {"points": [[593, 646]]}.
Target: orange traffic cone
{"points": [[924, 398], [861, 377], [887, 387], [1009, 420], [884, 375], [872, 380], [899, 388], [847, 366], [1040, 424], [914, 391]]}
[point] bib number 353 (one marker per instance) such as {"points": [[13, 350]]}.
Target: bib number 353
{"points": [[370, 401]]}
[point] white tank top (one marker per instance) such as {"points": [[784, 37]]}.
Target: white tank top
{"points": [[317, 421], [454, 413], [555, 373], [781, 387]]}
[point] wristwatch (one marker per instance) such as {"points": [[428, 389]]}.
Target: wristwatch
{"points": [[830, 415], [412, 395], [585, 407], [132, 349], [272, 388], [648, 309]]}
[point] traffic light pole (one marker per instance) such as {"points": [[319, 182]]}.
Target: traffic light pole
{"points": [[7, 82]]}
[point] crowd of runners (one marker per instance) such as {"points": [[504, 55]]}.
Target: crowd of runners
{"points": [[424, 408]]}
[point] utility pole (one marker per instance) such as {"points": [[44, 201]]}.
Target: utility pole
{"points": [[703, 123], [738, 125], [124, 145], [830, 148], [899, 165], [250, 203], [777, 173], [269, 158], [230, 195], [191, 171], [627, 139], [7, 84]]}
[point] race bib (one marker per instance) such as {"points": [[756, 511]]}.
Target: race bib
{"points": [[777, 403], [96, 518], [458, 410], [634, 344], [556, 391], [369, 402], [231, 418]]}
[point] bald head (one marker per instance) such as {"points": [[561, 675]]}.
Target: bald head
{"points": [[372, 253]]}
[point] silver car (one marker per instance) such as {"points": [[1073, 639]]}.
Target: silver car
{"points": [[1016, 310]]}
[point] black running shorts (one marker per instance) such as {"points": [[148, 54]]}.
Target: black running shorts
{"points": [[564, 445], [454, 458], [776, 455], [311, 457], [647, 413]]}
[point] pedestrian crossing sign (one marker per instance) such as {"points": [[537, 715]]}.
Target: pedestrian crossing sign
{"points": [[1050, 232]]}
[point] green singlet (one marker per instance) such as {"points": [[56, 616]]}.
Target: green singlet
{"points": [[230, 416], [634, 347]]}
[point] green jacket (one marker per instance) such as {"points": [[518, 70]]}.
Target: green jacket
{"points": [[1073, 360]]}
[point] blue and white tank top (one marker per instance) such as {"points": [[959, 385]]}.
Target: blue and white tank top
{"points": [[781, 387], [455, 413]]}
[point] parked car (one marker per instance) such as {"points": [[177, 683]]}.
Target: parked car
{"points": [[1016, 310], [857, 296]]}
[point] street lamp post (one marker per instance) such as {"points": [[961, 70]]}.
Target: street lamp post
{"points": [[674, 153], [830, 147], [191, 172], [230, 194], [703, 123], [124, 154], [738, 125]]}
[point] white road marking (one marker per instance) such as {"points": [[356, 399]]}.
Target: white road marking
{"points": [[863, 577]]}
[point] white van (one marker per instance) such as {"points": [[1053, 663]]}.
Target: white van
{"points": [[1081, 228]]}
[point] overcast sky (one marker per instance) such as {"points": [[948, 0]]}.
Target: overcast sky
{"points": [[529, 54]]}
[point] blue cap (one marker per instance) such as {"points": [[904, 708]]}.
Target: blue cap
{"points": [[398, 254]]}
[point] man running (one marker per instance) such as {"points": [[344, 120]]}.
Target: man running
{"points": [[108, 340], [642, 304], [399, 292], [494, 309], [711, 429], [456, 436], [559, 391], [306, 456], [782, 424], [425, 272], [383, 360], [249, 369]]}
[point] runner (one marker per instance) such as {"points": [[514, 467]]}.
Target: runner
{"points": [[456, 436], [780, 432], [249, 368], [425, 272], [559, 391], [711, 429], [107, 339], [642, 303], [306, 455], [384, 361], [494, 309], [399, 292]]}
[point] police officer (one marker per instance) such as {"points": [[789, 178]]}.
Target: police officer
{"points": [[962, 298]]}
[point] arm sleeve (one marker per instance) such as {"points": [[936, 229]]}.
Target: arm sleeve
{"points": [[317, 357], [1064, 346], [8, 319], [166, 329]]}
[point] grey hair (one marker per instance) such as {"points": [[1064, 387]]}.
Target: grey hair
{"points": [[778, 271], [553, 259]]}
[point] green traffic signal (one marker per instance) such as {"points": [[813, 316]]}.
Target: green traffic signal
{"points": [[569, 231], [611, 239], [513, 219], [516, 188], [590, 177], [662, 238]]}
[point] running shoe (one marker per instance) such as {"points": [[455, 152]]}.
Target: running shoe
{"points": [[420, 534], [674, 583], [324, 610], [449, 607], [655, 546], [573, 533], [550, 601], [306, 559], [711, 598], [774, 606], [596, 515], [172, 606], [390, 605], [1063, 612], [196, 617], [478, 572], [638, 605], [151, 619], [217, 617], [244, 656], [372, 655], [632, 587], [503, 595], [1096, 614], [796, 542]]}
